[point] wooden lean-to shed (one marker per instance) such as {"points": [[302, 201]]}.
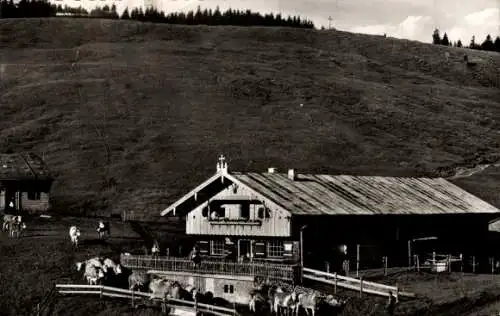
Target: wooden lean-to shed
{"points": [[25, 183]]}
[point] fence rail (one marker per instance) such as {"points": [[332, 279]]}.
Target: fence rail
{"points": [[284, 272], [102, 290], [353, 283]]}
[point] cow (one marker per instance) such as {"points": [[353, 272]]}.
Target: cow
{"points": [[16, 228], [95, 262], [93, 275], [308, 301], [160, 288], [8, 219], [282, 300], [74, 234], [137, 280], [102, 229], [257, 300]]}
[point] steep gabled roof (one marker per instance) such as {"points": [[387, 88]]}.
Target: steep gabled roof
{"points": [[23, 166], [311, 194], [202, 190]]}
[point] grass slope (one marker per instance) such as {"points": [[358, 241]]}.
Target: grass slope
{"points": [[147, 108]]}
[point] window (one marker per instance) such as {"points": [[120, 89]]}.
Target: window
{"points": [[217, 247], [263, 212], [229, 289], [33, 195], [245, 211], [275, 248]]}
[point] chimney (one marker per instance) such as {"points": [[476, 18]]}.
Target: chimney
{"points": [[291, 174], [271, 170]]}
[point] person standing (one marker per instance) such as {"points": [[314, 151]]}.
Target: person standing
{"points": [[195, 256]]}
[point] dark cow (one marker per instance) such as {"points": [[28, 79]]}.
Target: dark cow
{"points": [[102, 229]]}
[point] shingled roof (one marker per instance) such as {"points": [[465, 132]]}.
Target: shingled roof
{"points": [[316, 194], [321, 194], [23, 166]]}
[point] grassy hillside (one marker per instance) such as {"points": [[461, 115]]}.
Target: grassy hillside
{"points": [[146, 109]]}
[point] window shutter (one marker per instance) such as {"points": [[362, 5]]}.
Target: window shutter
{"points": [[204, 247], [296, 251], [259, 249]]}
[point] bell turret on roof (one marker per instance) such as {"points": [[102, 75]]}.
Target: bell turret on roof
{"points": [[222, 164]]}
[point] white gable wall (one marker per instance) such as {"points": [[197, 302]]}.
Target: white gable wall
{"points": [[278, 225]]}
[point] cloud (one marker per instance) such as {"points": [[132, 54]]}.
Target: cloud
{"points": [[412, 26], [489, 16]]}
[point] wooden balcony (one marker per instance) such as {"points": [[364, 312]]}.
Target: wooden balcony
{"points": [[239, 221], [273, 271]]}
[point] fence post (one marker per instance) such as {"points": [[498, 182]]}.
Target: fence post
{"points": [[473, 264], [409, 255], [461, 263], [361, 287], [335, 284], [434, 266], [357, 260], [100, 289], [195, 306], [386, 259], [133, 298], [397, 293], [449, 263], [38, 309]]}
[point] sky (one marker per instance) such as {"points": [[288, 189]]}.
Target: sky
{"points": [[410, 19]]}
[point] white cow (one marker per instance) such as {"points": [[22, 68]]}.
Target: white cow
{"points": [[110, 264], [16, 228], [137, 279], [160, 288], [95, 262], [9, 219], [93, 274], [74, 234]]}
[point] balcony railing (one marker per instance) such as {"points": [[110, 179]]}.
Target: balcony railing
{"points": [[238, 221], [273, 271]]}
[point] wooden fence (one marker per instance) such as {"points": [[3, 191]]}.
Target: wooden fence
{"points": [[283, 272], [353, 284], [173, 304], [44, 303]]}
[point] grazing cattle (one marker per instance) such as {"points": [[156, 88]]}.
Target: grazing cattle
{"points": [[160, 288], [137, 280], [103, 229], [203, 298], [16, 229], [180, 293], [74, 234], [110, 264], [284, 301], [308, 301], [9, 219], [256, 302], [93, 262], [93, 274]]}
